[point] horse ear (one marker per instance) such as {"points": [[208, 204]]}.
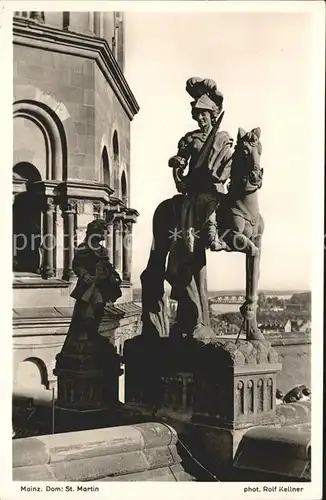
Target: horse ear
{"points": [[256, 131], [241, 133]]}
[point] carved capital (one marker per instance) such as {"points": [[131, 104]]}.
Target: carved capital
{"points": [[97, 208], [117, 224], [50, 204], [72, 205], [127, 226]]}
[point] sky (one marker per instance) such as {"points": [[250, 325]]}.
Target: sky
{"points": [[262, 64]]}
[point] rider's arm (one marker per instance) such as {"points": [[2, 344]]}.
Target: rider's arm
{"points": [[179, 162]]}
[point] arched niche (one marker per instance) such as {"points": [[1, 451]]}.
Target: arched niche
{"points": [[32, 374], [116, 161], [105, 167], [115, 147], [53, 133], [26, 170], [31, 145], [124, 189], [27, 219]]}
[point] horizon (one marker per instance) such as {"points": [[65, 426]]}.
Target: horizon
{"points": [[285, 291]]}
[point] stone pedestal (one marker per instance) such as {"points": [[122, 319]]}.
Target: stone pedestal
{"points": [[88, 373], [212, 393]]}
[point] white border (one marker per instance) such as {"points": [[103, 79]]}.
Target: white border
{"points": [[313, 490]]}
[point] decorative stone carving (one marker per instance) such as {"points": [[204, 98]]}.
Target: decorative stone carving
{"points": [[227, 380], [97, 209]]}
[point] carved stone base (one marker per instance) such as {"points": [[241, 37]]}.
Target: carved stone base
{"points": [[88, 372], [211, 392], [222, 380], [69, 420]]}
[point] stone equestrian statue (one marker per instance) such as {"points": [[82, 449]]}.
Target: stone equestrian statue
{"points": [[206, 214]]}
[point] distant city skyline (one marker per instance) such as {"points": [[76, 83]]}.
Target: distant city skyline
{"points": [[262, 62]]}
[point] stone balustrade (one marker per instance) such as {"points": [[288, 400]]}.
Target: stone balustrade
{"points": [[128, 453], [34, 16], [277, 454]]}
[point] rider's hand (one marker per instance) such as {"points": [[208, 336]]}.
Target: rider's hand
{"points": [[181, 187], [88, 279], [177, 162]]}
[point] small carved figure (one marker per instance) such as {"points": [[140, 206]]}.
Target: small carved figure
{"points": [[98, 282]]}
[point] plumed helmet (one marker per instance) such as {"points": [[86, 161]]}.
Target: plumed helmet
{"points": [[205, 92]]}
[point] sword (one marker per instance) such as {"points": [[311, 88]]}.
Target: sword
{"points": [[209, 142]]}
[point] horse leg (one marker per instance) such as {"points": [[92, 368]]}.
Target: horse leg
{"points": [[238, 237], [249, 308], [152, 278]]}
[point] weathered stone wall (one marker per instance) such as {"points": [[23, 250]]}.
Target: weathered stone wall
{"points": [[143, 452], [107, 25], [90, 101], [110, 119], [294, 352]]}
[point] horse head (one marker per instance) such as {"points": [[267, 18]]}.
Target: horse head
{"points": [[246, 170]]}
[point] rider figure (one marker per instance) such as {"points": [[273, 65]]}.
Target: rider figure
{"points": [[207, 171]]}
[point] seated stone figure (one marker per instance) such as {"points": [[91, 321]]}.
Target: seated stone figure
{"points": [[207, 173]]}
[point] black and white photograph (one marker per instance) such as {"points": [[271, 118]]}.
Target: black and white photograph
{"points": [[165, 286]]}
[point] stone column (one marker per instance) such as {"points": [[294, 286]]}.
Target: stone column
{"points": [[108, 26], [91, 16], [109, 241], [48, 243], [127, 250], [69, 239], [118, 241], [96, 23]]}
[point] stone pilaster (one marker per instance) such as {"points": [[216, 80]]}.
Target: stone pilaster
{"points": [[118, 244], [48, 243], [69, 214], [127, 250]]}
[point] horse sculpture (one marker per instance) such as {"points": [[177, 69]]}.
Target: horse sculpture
{"points": [[240, 221], [240, 226]]}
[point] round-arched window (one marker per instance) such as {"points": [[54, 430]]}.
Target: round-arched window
{"points": [[105, 167], [124, 193], [31, 374]]}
